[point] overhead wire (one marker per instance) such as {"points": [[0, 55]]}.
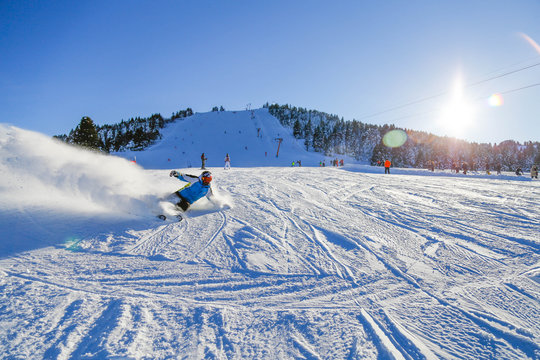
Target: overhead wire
{"points": [[502, 75], [446, 92], [475, 100], [521, 88]]}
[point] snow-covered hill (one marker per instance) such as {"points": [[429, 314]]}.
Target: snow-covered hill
{"points": [[249, 137], [307, 263]]}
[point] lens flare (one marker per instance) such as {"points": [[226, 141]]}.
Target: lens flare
{"points": [[394, 138], [533, 43], [495, 100], [72, 244]]}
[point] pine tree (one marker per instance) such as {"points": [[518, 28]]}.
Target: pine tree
{"points": [[86, 134], [318, 139], [308, 134], [297, 129], [537, 158]]}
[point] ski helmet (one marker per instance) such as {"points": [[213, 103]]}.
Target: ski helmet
{"points": [[206, 177]]}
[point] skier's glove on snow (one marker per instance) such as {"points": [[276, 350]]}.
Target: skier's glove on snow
{"points": [[174, 173]]}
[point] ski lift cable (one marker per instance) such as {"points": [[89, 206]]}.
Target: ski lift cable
{"points": [[521, 88], [481, 98], [445, 92], [505, 74]]}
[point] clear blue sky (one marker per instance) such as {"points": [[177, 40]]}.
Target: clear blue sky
{"points": [[112, 60]]}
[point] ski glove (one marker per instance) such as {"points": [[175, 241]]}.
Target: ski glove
{"points": [[174, 173]]}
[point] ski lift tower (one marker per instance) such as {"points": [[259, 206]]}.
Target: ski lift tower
{"points": [[279, 140]]}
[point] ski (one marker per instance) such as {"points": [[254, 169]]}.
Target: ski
{"points": [[164, 218]]}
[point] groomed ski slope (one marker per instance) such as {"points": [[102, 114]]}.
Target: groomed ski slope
{"points": [[249, 137], [314, 263]]}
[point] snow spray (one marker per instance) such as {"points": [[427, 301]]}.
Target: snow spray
{"points": [[41, 171]]}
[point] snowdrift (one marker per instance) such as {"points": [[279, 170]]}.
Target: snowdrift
{"points": [[50, 189]]}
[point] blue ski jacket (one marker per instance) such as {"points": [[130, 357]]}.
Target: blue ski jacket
{"points": [[195, 189]]}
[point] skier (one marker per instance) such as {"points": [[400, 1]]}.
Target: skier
{"points": [[203, 161], [534, 172], [227, 162], [197, 187], [387, 165], [519, 172], [465, 167]]}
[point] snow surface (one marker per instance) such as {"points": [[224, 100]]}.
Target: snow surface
{"points": [[304, 263]]}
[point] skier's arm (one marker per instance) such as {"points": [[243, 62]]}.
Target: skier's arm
{"points": [[189, 178], [184, 177]]}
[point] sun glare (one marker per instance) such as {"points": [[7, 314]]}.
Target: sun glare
{"points": [[458, 114]]}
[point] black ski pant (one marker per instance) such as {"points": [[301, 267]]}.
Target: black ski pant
{"points": [[183, 203]]}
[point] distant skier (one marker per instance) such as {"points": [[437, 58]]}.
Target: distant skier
{"points": [[465, 167], [197, 187], [227, 162], [387, 165], [203, 161], [519, 172], [534, 172]]}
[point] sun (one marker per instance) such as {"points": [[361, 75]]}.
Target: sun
{"points": [[456, 117], [458, 114]]}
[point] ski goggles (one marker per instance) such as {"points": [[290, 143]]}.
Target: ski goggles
{"points": [[206, 179]]}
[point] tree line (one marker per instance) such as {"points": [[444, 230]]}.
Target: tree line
{"points": [[133, 134], [331, 135]]}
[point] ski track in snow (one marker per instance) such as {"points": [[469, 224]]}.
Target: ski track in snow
{"points": [[385, 269], [312, 263]]}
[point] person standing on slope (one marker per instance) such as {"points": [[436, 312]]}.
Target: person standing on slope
{"points": [[227, 162], [534, 172], [465, 167], [387, 165], [203, 162], [197, 187], [498, 168]]}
